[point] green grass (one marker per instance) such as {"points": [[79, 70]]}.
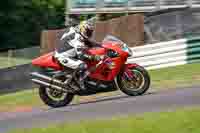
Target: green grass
{"points": [[22, 101], [182, 121], [180, 76], [9, 62], [173, 77], [25, 99]]}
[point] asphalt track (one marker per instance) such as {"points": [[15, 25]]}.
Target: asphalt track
{"points": [[103, 109]]}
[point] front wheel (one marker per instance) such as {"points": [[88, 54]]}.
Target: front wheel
{"points": [[137, 85], [54, 98]]}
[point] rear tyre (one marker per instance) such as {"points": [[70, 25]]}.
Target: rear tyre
{"points": [[138, 85], [55, 99]]}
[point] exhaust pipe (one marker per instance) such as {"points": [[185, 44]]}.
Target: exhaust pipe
{"points": [[39, 82], [47, 79]]}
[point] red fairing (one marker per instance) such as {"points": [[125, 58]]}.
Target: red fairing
{"points": [[97, 51], [130, 66], [108, 71], [105, 73], [47, 61]]}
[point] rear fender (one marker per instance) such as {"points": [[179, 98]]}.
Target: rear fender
{"points": [[47, 61]]}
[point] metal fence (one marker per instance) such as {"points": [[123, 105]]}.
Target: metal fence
{"points": [[172, 25], [18, 57], [105, 6]]}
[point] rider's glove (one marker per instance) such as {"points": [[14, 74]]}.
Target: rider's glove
{"points": [[91, 57], [97, 58]]}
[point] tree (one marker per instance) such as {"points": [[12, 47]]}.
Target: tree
{"points": [[23, 20]]}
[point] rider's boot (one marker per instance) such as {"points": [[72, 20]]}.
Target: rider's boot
{"points": [[83, 75], [82, 84]]}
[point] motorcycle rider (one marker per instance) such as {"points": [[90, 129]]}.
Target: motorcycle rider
{"points": [[68, 53]]}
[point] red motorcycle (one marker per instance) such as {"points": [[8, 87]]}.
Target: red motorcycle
{"points": [[59, 85]]}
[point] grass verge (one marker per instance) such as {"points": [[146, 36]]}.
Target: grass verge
{"points": [[174, 77], [184, 121], [180, 76], [10, 62], [20, 100]]}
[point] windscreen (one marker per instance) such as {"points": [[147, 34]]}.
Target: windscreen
{"points": [[124, 46], [110, 38]]}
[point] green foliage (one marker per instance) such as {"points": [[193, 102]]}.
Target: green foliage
{"points": [[23, 20]]}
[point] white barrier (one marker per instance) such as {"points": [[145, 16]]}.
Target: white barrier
{"points": [[167, 54]]}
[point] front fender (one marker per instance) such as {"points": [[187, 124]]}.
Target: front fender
{"points": [[126, 73]]}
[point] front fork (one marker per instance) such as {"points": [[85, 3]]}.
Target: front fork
{"points": [[126, 74], [116, 83]]}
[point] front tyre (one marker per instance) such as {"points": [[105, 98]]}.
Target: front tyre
{"points": [[54, 98], [139, 83]]}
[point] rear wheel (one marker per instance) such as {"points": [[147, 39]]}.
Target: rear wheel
{"points": [[138, 85], [54, 98]]}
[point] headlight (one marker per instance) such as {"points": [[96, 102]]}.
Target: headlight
{"points": [[112, 54], [127, 49]]}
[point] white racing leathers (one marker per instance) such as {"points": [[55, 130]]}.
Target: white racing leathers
{"points": [[70, 48]]}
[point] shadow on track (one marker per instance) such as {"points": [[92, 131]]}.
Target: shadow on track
{"points": [[103, 99]]}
